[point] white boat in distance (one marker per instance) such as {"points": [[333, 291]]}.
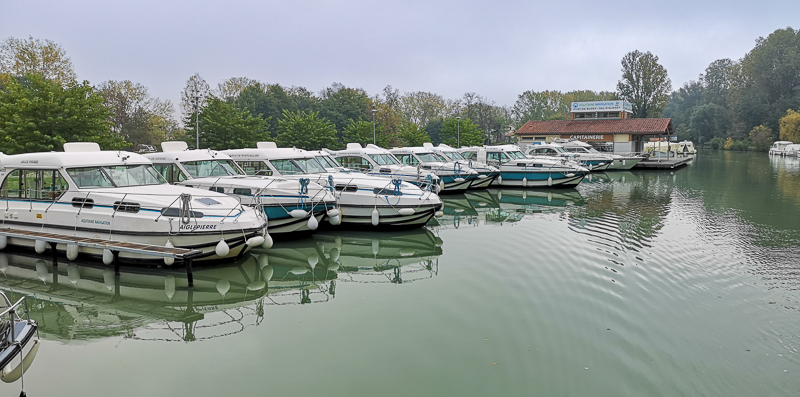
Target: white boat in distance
{"points": [[778, 147], [486, 173], [291, 207], [620, 162], [117, 195], [377, 161], [517, 170], [361, 200], [592, 161]]}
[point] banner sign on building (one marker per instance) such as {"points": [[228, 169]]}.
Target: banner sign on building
{"points": [[589, 137], [601, 106]]}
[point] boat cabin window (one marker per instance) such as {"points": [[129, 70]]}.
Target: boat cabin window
{"points": [[354, 162], [171, 172], [34, 185], [453, 156], [327, 162], [310, 165], [286, 167], [384, 159], [255, 168], [115, 176], [497, 156], [210, 168], [428, 157], [407, 159], [516, 154], [470, 155]]}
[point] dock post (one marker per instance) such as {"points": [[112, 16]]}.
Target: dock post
{"points": [[189, 274], [116, 262], [55, 254]]}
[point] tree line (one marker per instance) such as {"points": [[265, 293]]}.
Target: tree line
{"points": [[42, 105]]}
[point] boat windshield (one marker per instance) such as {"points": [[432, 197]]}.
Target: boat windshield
{"points": [[427, 157], [453, 156], [115, 176], [207, 168], [328, 162], [384, 159], [516, 154], [298, 166]]}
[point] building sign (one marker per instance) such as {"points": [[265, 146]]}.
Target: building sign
{"points": [[589, 137], [601, 106]]}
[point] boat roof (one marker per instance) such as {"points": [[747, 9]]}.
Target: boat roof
{"points": [[504, 148], [267, 151], [74, 155], [355, 149], [782, 143], [174, 153], [410, 149]]}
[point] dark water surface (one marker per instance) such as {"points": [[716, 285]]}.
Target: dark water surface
{"points": [[635, 283]]}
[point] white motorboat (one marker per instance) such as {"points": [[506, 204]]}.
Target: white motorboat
{"points": [[456, 178], [517, 170], [291, 207], [792, 150], [672, 149], [591, 161], [119, 196], [779, 148], [620, 161], [361, 200], [486, 173], [377, 161]]}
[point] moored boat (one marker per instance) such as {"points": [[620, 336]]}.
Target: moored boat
{"points": [[486, 173], [517, 170], [778, 147], [455, 177], [377, 161]]}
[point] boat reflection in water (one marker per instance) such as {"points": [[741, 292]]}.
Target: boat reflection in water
{"points": [[396, 257], [76, 301], [502, 206]]}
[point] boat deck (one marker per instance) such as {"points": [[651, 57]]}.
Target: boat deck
{"points": [[663, 163]]}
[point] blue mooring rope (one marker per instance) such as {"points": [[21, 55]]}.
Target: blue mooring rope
{"points": [[397, 183]]}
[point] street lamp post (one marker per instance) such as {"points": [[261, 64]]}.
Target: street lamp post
{"points": [[458, 136], [197, 121], [374, 138]]}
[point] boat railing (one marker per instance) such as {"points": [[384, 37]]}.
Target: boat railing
{"points": [[9, 317]]}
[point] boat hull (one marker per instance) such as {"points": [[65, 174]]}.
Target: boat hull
{"points": [[533, 179]]}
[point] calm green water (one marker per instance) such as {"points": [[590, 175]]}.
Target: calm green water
{"points": [[636, 283]]}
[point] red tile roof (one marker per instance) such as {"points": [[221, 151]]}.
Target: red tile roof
{"points": [[628, 126]]}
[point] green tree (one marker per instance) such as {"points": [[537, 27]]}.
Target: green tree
{"points": [[38, 115], [644, 84], [470, 134], [790, 126], [544, 105], [681, 104], [137, 117], [709, 121], [223, 126], [411, 135], [268, 102], [19, 57], [361, 132], [229, 90], [306, 130], [761, 138], [434, 130], [340, 104], [717, 82]]}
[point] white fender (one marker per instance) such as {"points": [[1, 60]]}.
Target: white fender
{"points": [[267, 272], [549, 181], [298, 270], [73, 274], [72, 251], [334, 254], [623, 162], [108, 279], [254, 241], [335, 220], [42, 271], [499, 179], [169, 286], [298, 213], [376, 217], [267, 241], [313, 259], [312, 223], [3, 242], [439, 214], [333, 212], [460, 179], [376, 246], [406, 211], [404, 252], [9, 375], [256, 286], [39, 246], [108, 256], [169, 261], [223, 286], [525, 181], [482, 176], [222, 250]]}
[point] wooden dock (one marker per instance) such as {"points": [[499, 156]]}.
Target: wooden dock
{"points": [[115, 247], [663, 163]]}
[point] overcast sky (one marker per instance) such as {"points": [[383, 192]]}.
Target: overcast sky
{"points": [[497, 49]]}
